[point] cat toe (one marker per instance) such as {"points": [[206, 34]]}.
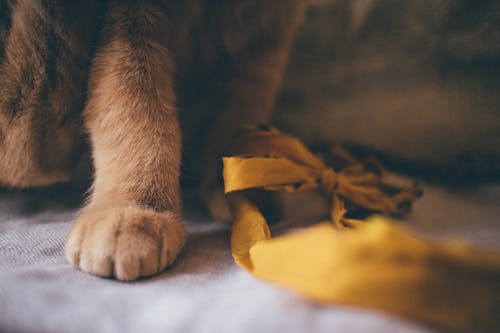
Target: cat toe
{"points": [[124, 242]]}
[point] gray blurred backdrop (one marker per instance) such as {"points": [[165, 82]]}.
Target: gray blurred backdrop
{"points": [[416, 79]]}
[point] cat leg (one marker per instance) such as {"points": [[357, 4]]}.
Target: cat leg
{"points": [[132, 226], [248, 86], [45, 47]]}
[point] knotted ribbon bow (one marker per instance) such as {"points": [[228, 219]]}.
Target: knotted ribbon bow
{"points": [[374, 264]]}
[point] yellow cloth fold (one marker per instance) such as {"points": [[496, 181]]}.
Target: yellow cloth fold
{"points": [[377, 264]]}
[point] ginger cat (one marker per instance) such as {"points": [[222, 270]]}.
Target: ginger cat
{"points": [[129, 75]]}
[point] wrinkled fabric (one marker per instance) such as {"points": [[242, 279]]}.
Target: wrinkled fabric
{"points": [[204, 291], [374, 264]]}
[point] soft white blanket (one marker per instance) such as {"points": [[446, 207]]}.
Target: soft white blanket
{"points": [[204, 291]]}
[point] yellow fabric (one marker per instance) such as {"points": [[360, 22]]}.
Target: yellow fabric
{"points": [[375, 264]]}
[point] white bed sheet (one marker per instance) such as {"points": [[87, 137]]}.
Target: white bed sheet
{"points": [[204, 291]]}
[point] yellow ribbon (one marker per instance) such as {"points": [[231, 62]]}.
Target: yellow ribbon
{"points": [[377, 264]]}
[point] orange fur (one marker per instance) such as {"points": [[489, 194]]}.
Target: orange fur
{"points": [[215, 65]]}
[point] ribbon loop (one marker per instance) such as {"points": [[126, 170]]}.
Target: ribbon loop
{"points": [[378, 264], [328, 181]]}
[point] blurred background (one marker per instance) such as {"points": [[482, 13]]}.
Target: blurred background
{"points": [[418, 80]]}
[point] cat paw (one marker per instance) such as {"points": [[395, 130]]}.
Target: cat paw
{"points": [[270, 204], [124, 242], [217, 205]]}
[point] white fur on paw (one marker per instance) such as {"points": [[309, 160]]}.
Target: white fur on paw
{"points": [[125, 242]]}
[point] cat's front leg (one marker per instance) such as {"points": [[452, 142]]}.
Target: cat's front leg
{"points": [[131, 227], [247, 88]]}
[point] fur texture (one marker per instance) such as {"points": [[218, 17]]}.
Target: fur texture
{"points": [[149, 68]]}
